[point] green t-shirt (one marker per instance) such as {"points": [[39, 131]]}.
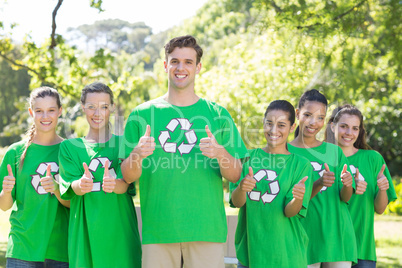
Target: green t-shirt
{"points": [[181, 190], [103, 226], [328, 223], [39, 223], [361, 207], [264, 235]]}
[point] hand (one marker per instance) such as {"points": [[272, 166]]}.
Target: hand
{"points": [[209, 146], [86, 183], [248, 183], [146, 144], [382, 181], [346, 177], [109, 183], [328, 177], [47, 182], [360, 184], [299, 189], [8, 181]]}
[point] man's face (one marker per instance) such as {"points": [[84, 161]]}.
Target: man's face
{"points": [[181, 67]]}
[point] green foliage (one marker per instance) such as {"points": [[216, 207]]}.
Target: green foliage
{"points": [[395, 207]]}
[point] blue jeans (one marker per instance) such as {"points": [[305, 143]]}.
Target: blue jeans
{"points": [[239, 265], [365, 264], [17, 263]]}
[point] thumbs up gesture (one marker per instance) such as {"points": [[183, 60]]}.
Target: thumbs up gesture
{"points": [[86, 183], [47, 182], [361, 185], [248, 183], [382, 181], [8, 181], [346, 177], [299, 189], [328, 177], [209, 146], [109, 183], [146, 144]]}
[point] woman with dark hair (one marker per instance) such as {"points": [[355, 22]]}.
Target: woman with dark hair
{"points": [[29, 182], [273, 193], [103, 224], [374, 183], [328, 223]]}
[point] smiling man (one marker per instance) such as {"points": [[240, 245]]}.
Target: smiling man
{"points": [[180, 146]]}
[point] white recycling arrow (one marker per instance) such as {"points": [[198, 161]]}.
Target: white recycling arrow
{"points": [[163, 137], [254, 195], [316, 166], [172, 125]]}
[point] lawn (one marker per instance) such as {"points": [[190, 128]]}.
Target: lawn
{"points": [[388, 232]]}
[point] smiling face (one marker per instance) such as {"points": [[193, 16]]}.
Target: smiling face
{"points": [[346, 130], [277, 128], [45, 113], [181, 67], [97, 109], [311, 118]]}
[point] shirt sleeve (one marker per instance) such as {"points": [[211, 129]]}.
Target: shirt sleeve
{"points": [[134, 126], [69, 172], [229, 137]]}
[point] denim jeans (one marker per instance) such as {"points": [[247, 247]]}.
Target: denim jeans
{"points": [[17, 263], [365, 264], [239, 265]]}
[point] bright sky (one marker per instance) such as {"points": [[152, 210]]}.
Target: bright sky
{"points": [[35, 16]]}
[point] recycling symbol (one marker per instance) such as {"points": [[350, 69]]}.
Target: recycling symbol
{"points": [[40, 172], [171, 147], [353, 169], [94, 165], [320, 169], [268, 196]]}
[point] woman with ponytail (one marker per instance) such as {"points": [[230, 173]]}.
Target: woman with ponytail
{"points": [[374, 188], [328, 223], [29, 184]]}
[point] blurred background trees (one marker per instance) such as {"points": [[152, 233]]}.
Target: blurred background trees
{"points": [[255, 51]]}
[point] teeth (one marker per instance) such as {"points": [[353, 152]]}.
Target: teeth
{"points": [[96, 121], [46, 123], [180, 76]]}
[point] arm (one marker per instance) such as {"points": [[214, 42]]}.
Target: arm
{"points": [[381, 200], [6, 200], [229, 166], [65, 203]]}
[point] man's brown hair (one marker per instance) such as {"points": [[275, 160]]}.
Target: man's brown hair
{"points": [[183, 41]]}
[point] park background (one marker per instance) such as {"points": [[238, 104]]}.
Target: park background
{"points": [[255, 51]]}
